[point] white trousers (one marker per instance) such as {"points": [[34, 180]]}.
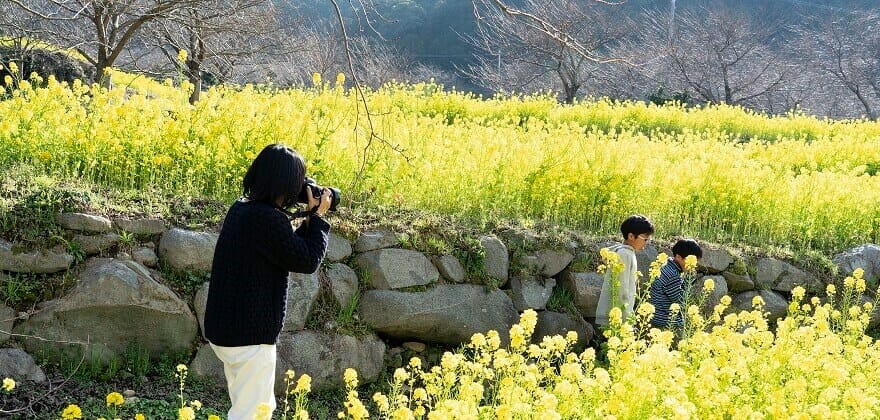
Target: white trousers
{"points": [[250, 377]]}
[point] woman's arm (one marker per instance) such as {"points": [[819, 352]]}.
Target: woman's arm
{"points": [[301, 251]]}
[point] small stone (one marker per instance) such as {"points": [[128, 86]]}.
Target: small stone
{"points": [[84, 222], [145, 256], [128, 393]]}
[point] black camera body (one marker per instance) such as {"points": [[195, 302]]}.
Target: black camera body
{"points": [[310, 183]]}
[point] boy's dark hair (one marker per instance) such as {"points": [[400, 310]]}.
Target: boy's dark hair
{"points": [[278, 171], [637, 225], [687, 247]]}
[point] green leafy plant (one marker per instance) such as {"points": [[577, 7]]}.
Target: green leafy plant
{"points": [[561, 300], [17, 288]]}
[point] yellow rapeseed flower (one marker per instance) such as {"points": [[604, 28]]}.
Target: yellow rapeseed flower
{"points": [[690, 263], [304, 384], [400, 375], [115, 399], [187, 413], [8, 384], [757, 302], [140, 416], [340, 79], [181, 56], [708, 284], [316, 79], [478, 340], [858, 273], [71, 412], [493, 339], [350, 377]]}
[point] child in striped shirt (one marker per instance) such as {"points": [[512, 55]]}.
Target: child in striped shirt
{"points": [[669, 287]]}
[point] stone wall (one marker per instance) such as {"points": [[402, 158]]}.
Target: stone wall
{"points": [[407, 299]]}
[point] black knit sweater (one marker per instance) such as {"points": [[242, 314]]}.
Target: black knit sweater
{"points": [[256, 250]]}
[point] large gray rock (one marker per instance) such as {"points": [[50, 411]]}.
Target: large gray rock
{"points": [[585, 289], [338, 248], [188, 250], [738, 282], [548, 262], [84, 222], [866, 257], [206, 365], [530, 292], [114, 303], [496, 261], [774, 303], [95, 244], [37, 262], [449, 267], [373, 240], [7, 319], [718, 291], [63, 65], [556, 323], [200, 302], [343, 283], [714, 261], [325, 356], [782, 276], [395, 268], [141, 226], [448, 314], [18, 365], [302, 292]]}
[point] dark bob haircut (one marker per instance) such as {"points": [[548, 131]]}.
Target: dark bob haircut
{"points": [[278, 171], [686, 248], [637, 225]]}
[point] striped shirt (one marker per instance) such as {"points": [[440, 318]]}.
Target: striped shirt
{"points": [[667, 289]]}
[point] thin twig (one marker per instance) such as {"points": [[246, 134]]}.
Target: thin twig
{"points": [[51, 390], [363, 100]]}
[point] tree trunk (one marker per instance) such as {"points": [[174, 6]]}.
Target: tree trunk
{"points": [[194, 74], [102, 76]]}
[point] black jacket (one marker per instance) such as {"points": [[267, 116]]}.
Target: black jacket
{"points": [[255, 252]]}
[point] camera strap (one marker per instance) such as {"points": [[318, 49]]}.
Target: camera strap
{"points": [[299, 214]]}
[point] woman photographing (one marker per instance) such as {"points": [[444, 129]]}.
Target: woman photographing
{"points": [[256, 250]]}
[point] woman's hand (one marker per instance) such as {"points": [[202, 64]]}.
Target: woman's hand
{"points": [[322, 202]]}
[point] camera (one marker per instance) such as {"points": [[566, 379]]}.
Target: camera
{"points": [[316, 192]]}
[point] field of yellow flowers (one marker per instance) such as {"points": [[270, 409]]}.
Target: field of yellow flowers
{"points": [[719, 173], [817, 364]]}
